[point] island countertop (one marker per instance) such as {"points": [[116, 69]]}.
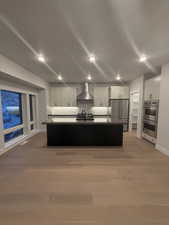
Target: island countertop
{"points": [[84, 133], [85, 122]]}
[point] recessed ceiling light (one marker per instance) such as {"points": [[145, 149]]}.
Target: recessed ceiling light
{"points": [[60, 78], [158, 79], [118, 77], [41, 58], [143, 58], [89, 77], [92, 58]]}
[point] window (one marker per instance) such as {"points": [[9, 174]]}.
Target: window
{"points": [[31, 107], [12, 135], [11, 109], [32, 126], [12, 114]]}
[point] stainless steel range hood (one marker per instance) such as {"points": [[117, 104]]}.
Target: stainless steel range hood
{"points": [[85, 95]]}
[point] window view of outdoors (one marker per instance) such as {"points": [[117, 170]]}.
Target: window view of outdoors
{"points": [[11, 109], [12, 135]]}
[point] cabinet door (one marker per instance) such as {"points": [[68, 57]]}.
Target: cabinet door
{"points": [[57, 96], [119, 92], [69, 96], [152, 89], [63, 96], [101, 96]]}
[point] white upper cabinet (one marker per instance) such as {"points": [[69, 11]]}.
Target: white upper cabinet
{"points": [[67, 96], [119, 92], [152, 89], [101, 96], [63, 96]]}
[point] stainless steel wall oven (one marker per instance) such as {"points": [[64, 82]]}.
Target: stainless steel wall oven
{"points": [[150, 120]]}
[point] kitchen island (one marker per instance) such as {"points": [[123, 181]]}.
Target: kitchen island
{"points": [[84, 133]]}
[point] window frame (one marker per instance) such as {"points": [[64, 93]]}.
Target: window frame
{"points": [[34, 112], [20, 107], [5, 146], [14, 128]]}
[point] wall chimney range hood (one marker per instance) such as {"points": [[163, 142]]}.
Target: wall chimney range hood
{"points": [[85, 95]]}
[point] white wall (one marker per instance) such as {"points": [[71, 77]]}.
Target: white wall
{"points": [[31, 82], [163, 121], [16, 71], [16, 85], [42, 108], [137, 86]]}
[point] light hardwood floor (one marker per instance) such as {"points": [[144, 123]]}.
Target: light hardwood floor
{"points": [[84, 186]]}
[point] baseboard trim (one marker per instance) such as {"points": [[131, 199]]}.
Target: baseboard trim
{"points": [[162, 150], [19, 141]]}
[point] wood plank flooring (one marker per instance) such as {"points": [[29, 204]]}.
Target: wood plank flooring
{"points": [[84, 186]]}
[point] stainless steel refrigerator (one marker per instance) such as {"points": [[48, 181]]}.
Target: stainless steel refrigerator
{"points": [[120, 111]]}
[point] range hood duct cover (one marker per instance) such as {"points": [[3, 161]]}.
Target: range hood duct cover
{"points": [[85, 94]]}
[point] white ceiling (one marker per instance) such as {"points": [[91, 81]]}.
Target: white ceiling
{"points": [[65, 31]]}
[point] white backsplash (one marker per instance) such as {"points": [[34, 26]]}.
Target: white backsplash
{"points": [[73, 119], [75, 110], [63, 110], [101, 110]]}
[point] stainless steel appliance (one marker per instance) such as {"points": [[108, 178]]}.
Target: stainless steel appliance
{"points": [[150, 120], [85, 95], [84, 116], [151, 110], [120, 111], [85, 102]]}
